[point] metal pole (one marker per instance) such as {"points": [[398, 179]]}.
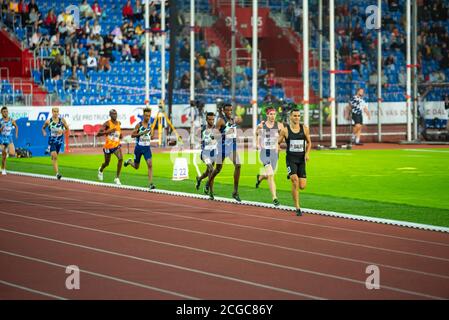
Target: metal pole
{"points": [[254, 65], [379, 70], [163, 51], [233, 55], [320, 65], [408, 92], [192, 68], [147, 53], [332, 74], [415, 70], [305, 58]]}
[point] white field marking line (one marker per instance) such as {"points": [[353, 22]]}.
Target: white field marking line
{"points": [[232, 239], [96, 274], [169, 265], [426, 150], [251, 215], [225, 223], [219, 254], [248, 203], [10, 284]]}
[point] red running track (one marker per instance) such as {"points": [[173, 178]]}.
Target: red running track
{"points": [[136, 245]]}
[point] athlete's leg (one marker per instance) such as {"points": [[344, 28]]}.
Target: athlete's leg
{"points": [[12, 150], [214, 173], [237, 166], [118, 154], [271, 184], [107, 160], [54, 160], [295, 189], [150, 170], [3, 156], [302, 183]]}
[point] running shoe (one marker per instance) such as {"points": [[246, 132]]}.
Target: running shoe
{"points": [[3, 172], [258, 181], [117, 181], [298, 212], [152, 186], [206, 189], [127, 163], [276, 202], [198, 183], [59, 176], [211, 196], [236, 196], [100, 175]]}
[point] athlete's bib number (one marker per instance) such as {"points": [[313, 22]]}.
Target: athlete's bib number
{"points": [[115, 136], [144, 140], [270, 143], [296, 145], [56, 132]]}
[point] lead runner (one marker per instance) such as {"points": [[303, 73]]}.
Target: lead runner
{"points": [[298, 141]]}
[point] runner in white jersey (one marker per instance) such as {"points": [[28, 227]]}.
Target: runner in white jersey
{"points": [[267, 136], [142, 133]]}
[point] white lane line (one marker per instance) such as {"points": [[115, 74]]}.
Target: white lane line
{"points": [[42, 293], [227, 223], [96, 274], [249, 203], [169, 265], [216, 253]]}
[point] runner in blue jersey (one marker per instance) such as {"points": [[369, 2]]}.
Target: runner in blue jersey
{"points": [[227, 149], [7, 126], [142, 133], [209, 145], [56, 127]]}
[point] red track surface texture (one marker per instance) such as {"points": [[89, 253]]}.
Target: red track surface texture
{"points": [[135, 245]]}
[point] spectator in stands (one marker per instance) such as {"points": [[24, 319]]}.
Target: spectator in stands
{"points": [[105, 56], [33, 17], [154, 18], [138, 11], [96, 9], [55, 67], [33, 5], [214, 52], [72, 83], [184, 53], [86, 10], [185, 80], [55, 40], [35, 40], [96, 29], [129, 30], [82, 62], [50, 22], [270, 98], [126, 53], [127, 10], [135, 53], [344, 51], [92, 62], [23, 11]]}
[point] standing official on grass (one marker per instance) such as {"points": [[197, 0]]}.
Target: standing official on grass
{"points": [[354, 112], [298, 141]]}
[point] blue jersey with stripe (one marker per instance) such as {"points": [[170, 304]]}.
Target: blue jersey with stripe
{"points": [[228, 132], [56, 130], [145, 139], [7, 131]]}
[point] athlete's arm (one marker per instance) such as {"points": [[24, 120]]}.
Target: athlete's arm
{"points": [[282, 135], [281, 128], [121, 135], [136, 133], [309, 142], [66, 126], [367, 113], [259, 127], [46, 123], [17, 128], [103, 130]]}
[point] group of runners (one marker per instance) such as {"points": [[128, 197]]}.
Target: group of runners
{"points": [[218, 142]]}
